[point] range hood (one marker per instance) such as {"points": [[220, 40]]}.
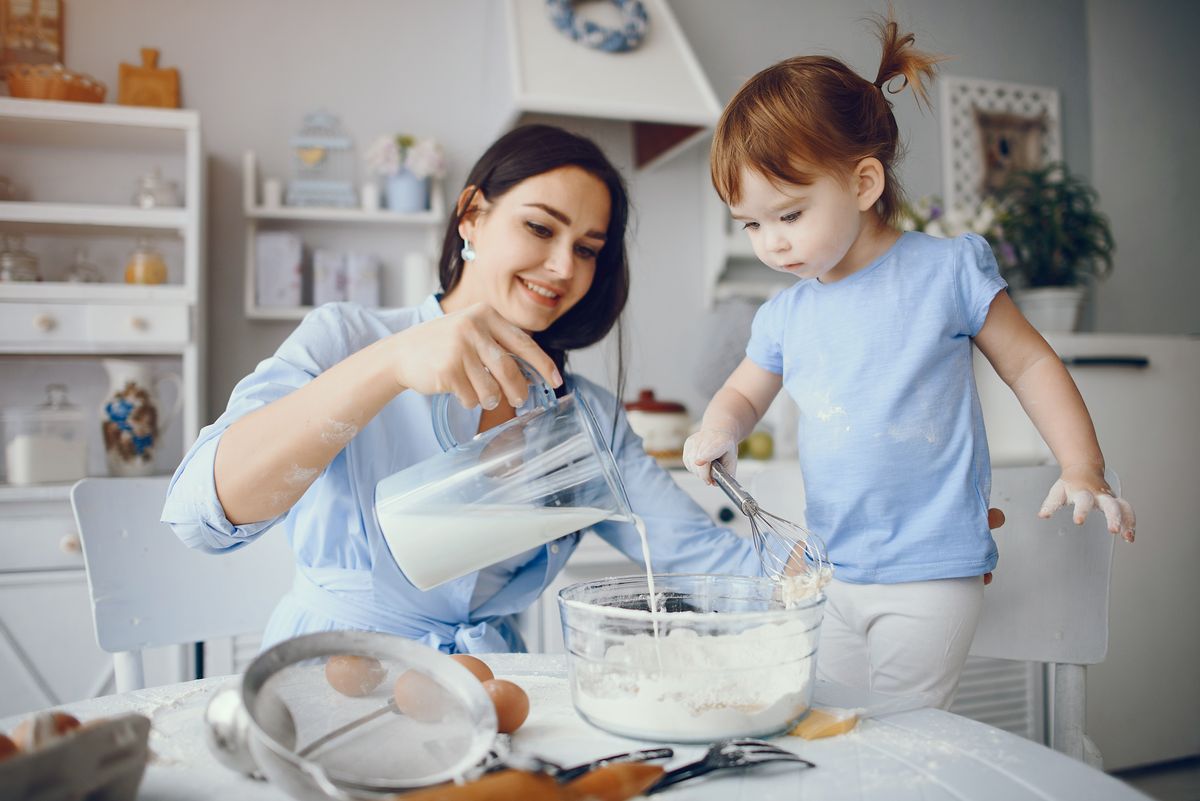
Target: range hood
{"points": [[659, 86]]}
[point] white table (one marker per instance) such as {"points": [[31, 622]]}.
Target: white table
{"points": [[926, 754]]}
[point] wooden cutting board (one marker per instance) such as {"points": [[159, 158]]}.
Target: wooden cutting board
{"points": [[147, 85]]}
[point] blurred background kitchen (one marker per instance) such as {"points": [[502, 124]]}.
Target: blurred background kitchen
{"points": [[152, 257]]}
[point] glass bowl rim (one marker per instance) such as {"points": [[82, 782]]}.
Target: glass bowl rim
{"points": [[566, 603]]}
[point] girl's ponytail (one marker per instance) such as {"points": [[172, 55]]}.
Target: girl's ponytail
{"points": [[902, 60]]}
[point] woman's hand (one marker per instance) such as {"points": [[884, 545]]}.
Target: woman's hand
{"points": [[1084, 487], [466, 353], [709, 445]]}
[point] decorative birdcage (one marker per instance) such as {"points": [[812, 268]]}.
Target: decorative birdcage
{"points": [[323, 164]]}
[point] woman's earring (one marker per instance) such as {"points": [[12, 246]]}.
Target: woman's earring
{"points": [[468, 252]]}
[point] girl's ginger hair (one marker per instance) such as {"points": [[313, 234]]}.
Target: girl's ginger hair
{"points": [[810, 115]]}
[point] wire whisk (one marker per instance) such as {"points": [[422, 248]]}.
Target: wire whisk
{"points": [[785, 549]]}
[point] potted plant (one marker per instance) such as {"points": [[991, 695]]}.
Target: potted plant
{"points": [[1053, 240], [406, 164]]}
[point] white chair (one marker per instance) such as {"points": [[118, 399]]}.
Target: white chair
{"points": [[148, 589], [1048, 601]]}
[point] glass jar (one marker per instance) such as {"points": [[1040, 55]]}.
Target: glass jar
{"points": [[145, 265], [17, 263], [83, 270], [45, 443], [153, 191]]}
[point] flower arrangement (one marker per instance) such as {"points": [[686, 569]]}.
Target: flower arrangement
{"points": [[930, 216], [389, 155]]}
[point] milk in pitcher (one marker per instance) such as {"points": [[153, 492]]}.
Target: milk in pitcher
{"points": [[432, 549]]}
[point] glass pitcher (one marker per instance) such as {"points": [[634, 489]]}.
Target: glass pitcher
{"points": [[545, 473]]}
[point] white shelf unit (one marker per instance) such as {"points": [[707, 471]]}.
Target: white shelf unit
{"points": [[78, 162], [256, 214], [125, 324]]}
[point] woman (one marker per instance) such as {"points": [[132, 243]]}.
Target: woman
{"points": [[533, 263]]}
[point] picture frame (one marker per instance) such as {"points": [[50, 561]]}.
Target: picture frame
{"points": [[31, 32], [991, 129]]}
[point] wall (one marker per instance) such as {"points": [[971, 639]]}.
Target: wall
{"points": [[253, 69], [1143, 79]]}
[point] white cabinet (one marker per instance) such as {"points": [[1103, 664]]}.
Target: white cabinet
{"points": [[48, 651], [77, 164], [332, 223]]}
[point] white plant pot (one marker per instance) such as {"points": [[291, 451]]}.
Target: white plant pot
{"points": [[1051, 308]]}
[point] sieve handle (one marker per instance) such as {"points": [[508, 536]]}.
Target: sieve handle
{"points": [[744, 500]]}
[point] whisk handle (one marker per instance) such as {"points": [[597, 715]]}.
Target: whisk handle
{"points": [[745, 502]]}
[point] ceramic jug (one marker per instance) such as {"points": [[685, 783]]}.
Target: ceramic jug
{"points": [[131, 418]]}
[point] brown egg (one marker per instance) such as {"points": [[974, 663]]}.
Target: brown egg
{"points": [[7, 747], [354, 675], [512, 704], [477, 666], [420, 697], [42, 729]]}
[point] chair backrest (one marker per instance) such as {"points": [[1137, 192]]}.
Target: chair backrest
{"points": [[1048, 601], [149, 589]]}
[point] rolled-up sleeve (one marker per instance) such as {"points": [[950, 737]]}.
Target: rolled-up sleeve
{"points": [[192, 508], [682, 537]]}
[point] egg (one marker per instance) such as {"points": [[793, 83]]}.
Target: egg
{"points": [[477, 667], [511, 702], [354, 675], [7, 747], [420, 697], [42, 729]]}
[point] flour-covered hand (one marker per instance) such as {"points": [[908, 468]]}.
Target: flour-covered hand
{"points": [[709, 445], [1086, 489]]}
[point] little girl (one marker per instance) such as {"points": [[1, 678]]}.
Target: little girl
{"points": [[874, 346]]}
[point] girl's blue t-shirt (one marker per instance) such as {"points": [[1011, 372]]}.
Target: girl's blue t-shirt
{"points": [[891, 439]]}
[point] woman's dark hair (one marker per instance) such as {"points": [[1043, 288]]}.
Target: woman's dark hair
{"points": [[532, 150]]}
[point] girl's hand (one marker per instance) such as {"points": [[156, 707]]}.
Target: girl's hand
{"points": [[995, 521], [466, 353], [1086, 488], [707, 446]]}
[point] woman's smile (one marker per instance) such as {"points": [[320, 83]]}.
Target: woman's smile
{"points": [[540, 292]]}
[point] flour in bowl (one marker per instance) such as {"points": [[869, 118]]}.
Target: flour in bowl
{"points": [[688, 686]]}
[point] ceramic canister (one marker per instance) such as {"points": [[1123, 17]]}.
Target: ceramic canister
{"points": [[662, 425]]}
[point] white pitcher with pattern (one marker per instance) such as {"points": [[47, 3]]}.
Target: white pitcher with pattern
{"points": [[131, 418]]}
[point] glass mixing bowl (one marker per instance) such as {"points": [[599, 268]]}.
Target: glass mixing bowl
{"points": [[730, 659]]}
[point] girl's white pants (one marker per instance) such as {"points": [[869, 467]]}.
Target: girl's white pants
{"points": [[899, 639]]}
